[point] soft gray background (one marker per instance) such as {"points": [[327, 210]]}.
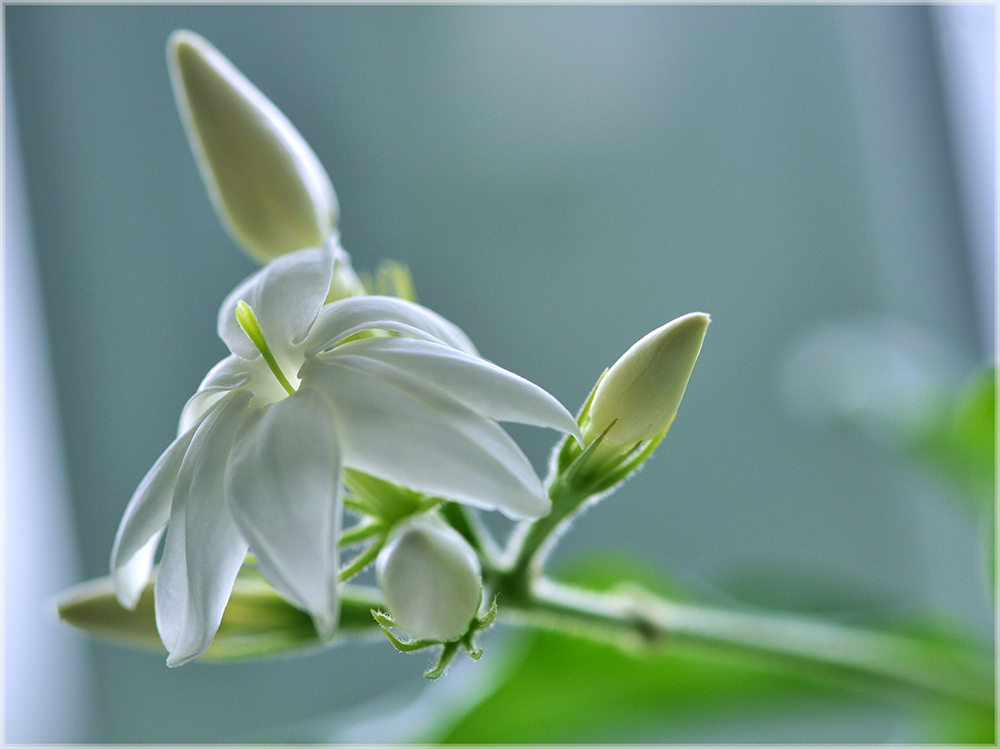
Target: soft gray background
{"points": [[561, 180]]}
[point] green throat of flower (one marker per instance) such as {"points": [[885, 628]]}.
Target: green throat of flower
{"points": [[248, 321]]}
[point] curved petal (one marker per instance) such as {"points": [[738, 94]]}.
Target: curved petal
{"points": [[171, 590], [481, 385], [131, 576], [204, 549], [286, 295], [146, 514], [399, 428], [283, 488], [229, 374], [341, 320]]}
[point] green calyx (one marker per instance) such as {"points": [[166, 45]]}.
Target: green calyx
{"points": [[449, 649], [248, 322]]}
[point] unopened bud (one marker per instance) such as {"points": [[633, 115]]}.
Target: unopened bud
{"points": [[258, 620], [430, 579], [267, 185], [641, 392]]}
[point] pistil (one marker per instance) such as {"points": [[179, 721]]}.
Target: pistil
{"points": [[248, 322]]}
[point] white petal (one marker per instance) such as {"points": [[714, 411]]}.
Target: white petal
{"points": [[146, 514], [171, 590], [195, 591], [283, 486], [229, 374], [267, 185], [402, 429], [481, 385], [286, 296], [132, 576], [343, 319]]}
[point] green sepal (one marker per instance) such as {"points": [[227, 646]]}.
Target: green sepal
{"points": [[569, 450], [448, 649], [384, 500], [391, 278]]}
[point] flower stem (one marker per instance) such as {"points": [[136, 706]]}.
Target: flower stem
{"points": [[533, 539], [636, 618]]}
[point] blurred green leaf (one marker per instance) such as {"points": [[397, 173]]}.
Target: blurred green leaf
{"points": [[962, 725], [962, 440], [570, 689], [961, 443]]}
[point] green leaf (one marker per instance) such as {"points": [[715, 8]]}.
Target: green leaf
{"points": [[962, 445], [962, 725], [962, 441], [570, 689], [567, 689]]}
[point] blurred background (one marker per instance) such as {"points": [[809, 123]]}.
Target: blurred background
{"points": [[561, 180]]}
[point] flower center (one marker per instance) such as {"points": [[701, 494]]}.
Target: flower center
{"points": [[248, 321]]}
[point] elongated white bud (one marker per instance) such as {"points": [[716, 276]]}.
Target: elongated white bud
{"points": [[267, 185], [431, 580], [643, 389]]}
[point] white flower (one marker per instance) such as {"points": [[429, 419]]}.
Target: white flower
{"points": [[257, 462], [430, 578]]}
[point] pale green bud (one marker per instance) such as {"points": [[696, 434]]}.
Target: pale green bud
{"points": [[258, 620], [431, 579], [643, 389], [267, 185]]}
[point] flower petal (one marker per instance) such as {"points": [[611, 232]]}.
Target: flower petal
{"points": [[267, 185], [131, 576], [341, 320], [402, 429], [171, 590], [484, 387], [283, 488], [229, 374], [204, 549], [146, 514], [286, 295]]}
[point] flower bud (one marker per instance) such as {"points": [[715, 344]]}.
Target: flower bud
{"points": [[267, 185], [643, 389], [431, 580], [258, 620]]}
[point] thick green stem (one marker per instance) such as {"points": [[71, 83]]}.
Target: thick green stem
{"points": [[532, 540], [464, 520], [636, 618]]}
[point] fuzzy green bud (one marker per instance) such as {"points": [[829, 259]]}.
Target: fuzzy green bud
{"points": [[640, 394], [267, 185]]}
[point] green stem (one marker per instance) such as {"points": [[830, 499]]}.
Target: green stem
{"points": [[533, 539], [635, 617], [463, 520]]}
